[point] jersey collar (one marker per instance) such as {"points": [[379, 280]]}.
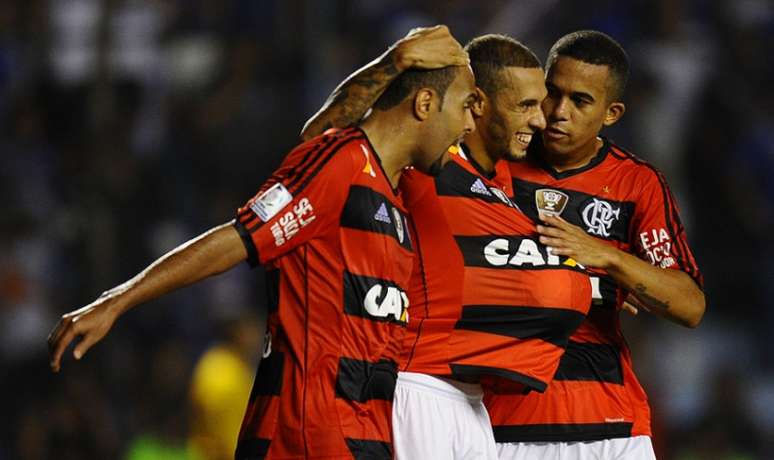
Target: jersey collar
{"points": [[375, 154], [535, 155], [487, 175]]}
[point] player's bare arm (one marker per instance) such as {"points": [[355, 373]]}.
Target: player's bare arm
{"points": [[665, 292], [212, 252], [422, 48]]}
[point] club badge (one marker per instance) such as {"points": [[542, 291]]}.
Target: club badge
{"points": [[550, 202], [599, 216]]}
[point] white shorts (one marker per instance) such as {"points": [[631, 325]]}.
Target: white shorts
{"points": [[634, 448], [440, 419]]}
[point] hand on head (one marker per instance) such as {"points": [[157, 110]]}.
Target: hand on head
{"points": [[429, 48]]}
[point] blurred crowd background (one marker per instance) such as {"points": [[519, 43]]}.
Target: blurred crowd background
{"points": [[129, 126]]}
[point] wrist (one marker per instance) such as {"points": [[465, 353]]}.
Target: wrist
{"points": [[119, 299], [118, 307], [612, 260]]}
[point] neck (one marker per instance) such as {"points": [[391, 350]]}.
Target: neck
{"points": [[389, 139], [477, 151], [573, 160]]}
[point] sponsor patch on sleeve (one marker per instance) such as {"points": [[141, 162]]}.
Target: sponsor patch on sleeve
{"points": [[657, 245], [291, 222], [272, 201]]}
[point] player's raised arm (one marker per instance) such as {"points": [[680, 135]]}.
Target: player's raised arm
{"points": [[422, 48], [212, 252]]}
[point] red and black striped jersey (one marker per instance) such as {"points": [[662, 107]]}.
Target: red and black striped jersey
{"points": [[595, 393], [486, 298], [334, 236]]}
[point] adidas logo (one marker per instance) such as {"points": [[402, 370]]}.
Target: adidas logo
{"points": [[382, 215], [480, 188]]}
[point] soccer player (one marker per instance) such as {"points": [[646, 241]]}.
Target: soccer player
{"points": [[334, 235], [613, 213], [489, 304]]}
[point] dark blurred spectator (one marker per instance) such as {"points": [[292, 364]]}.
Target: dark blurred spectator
{"points": [[726, 432], [126, 125], [74, 422], [162, 408]]}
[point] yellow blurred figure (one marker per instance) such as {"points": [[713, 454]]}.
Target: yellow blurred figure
{"points": [[221, 385]]}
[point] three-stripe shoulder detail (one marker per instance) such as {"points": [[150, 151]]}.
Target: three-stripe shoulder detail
{"points": [[671, 214]]}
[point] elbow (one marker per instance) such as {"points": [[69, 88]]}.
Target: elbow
{"points": [[693, 322], [695, 312], [314, 126], [306, 132], [317, 126]]}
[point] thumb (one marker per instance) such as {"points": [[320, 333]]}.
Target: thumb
{"points": [[629, 308]]}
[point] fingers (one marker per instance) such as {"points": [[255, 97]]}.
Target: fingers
{"points": [[67, 330], [554, 238], [56, 332], [555, 221], [553, 243], [549, 231], [426, 30], [57, 346], [629, 308], [430, 48], [555, 226], [558, 233], [636, 303], [83, 346], [459, 58], [560, 251]]}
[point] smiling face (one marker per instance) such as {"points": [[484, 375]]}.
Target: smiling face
{"points": [[513, 115], [578, 105]]}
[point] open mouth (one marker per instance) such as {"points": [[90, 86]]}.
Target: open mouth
{"points": [[524, 139]]}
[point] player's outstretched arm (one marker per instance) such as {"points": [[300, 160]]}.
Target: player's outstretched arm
{"points": [[212, 252], [422, 48], [666, 292]]}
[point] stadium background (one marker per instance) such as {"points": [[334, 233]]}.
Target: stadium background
{"points": [[127, 126]]}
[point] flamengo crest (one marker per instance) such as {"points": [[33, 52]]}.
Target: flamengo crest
{"points": [[599, 216]]}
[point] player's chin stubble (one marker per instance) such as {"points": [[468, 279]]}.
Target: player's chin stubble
{"points": [[499, 138], [435, 168]]}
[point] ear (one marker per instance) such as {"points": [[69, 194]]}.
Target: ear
{"points": [[614, 113], [424, 103], [480, 103]]}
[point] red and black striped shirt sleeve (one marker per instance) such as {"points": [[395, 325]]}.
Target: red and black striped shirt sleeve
{"points": [[659, 235], [303, 198]]}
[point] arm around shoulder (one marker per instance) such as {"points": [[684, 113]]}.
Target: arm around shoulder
{"points": [[422, 48]]}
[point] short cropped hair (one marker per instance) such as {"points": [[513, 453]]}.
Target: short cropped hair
{"points": [[491, 53], [593, 47], [411, 81]]}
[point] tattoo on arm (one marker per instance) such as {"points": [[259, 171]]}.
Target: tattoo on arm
{"points": [[353, 97], [649, 300]]}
